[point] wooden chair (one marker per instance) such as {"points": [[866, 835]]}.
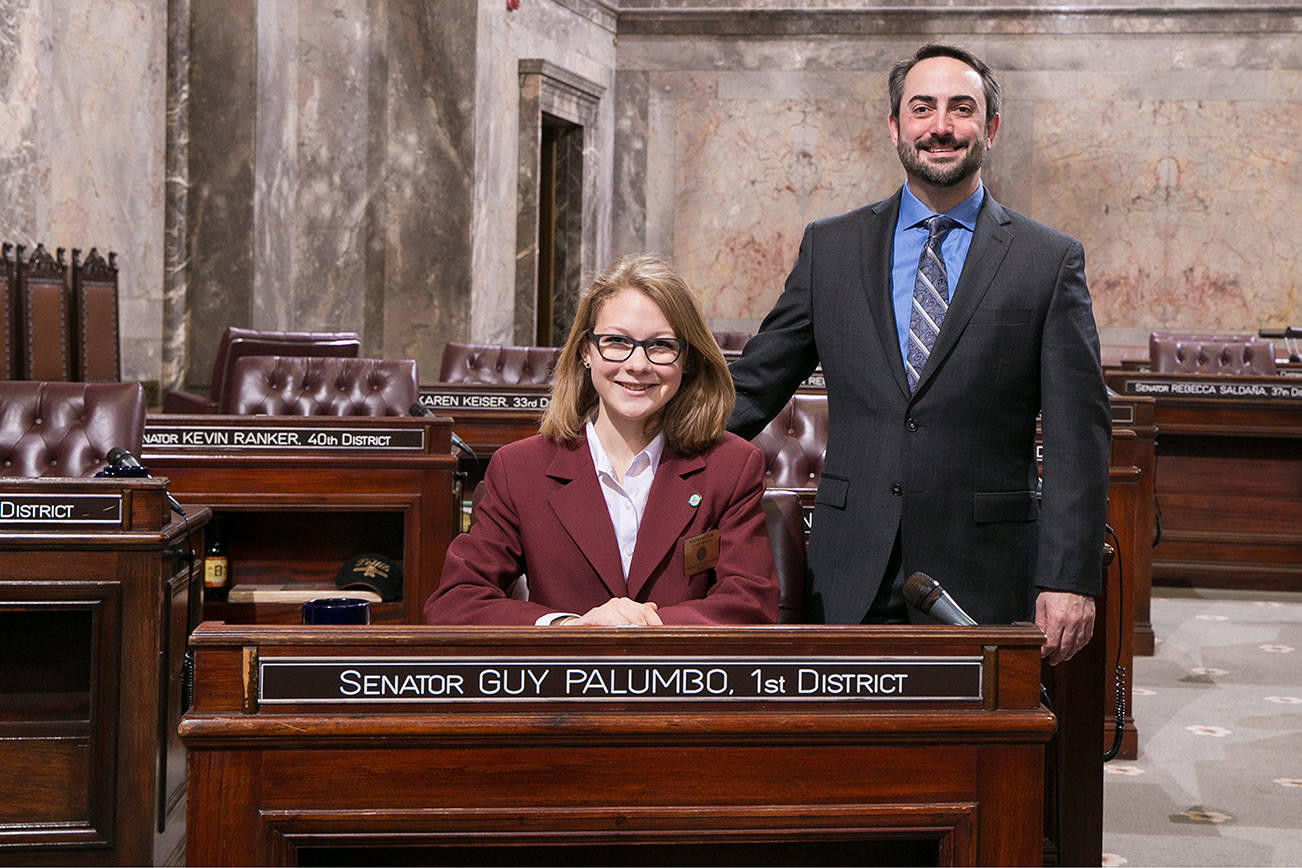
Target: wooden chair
{"points": [[43, 310], [96, 341], [9, 361]]}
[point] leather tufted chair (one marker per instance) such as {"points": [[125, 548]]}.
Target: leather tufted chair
{"points": [[497, 364], [239, 342], [795, 443], [308, 386], [1197, 356], [731, 342], [66, 429]]}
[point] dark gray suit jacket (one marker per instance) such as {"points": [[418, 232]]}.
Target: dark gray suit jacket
{"points": [[951, 467]]}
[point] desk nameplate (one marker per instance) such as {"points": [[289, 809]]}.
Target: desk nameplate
{"points": [[814, 382], [308, 680], [266, 437], [1214, 390], [60, 509], [485, 399]]}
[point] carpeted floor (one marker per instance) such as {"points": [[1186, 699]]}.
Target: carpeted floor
{"points": [[1219, 713]]}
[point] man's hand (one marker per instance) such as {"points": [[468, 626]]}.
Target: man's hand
{"points": [[1067, 620], [617, 612]]}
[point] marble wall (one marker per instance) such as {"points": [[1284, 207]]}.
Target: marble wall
{"points": [[548, 55], [1165, 138], [82, 98], [331, 158], [354, 165]]}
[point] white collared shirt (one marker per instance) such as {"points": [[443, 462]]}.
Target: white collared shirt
{"points": [[626, 503]]}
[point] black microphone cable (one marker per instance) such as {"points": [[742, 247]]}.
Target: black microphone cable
{"points": [[126, 465], [121, 459], [419, 409], [1120, 671]]}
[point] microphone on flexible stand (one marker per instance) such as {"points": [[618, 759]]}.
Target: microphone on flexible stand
{"points": [[121, 458], [927, 596], [126, 464]]}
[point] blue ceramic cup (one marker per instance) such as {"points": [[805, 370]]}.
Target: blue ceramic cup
{"points": [[336, 610]]}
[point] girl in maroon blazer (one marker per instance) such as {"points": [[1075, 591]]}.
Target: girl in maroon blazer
{"points": [[633, 506]]}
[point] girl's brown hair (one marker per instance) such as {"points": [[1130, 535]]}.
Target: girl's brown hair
{"points": [[695, 415]]}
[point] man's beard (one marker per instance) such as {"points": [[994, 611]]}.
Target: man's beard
{"points": [[941, 176]]}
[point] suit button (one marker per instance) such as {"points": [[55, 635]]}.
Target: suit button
{"points": [[911, 425], [897, 489]]}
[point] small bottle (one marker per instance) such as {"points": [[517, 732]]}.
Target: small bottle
{"points": [[216, 566]]}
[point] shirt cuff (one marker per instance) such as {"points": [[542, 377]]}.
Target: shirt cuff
{"points": [[552, 618]]}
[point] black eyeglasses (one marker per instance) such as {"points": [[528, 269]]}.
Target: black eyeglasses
{"points": [[618, 348]]}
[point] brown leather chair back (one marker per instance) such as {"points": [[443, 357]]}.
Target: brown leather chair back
{"points": [[1155, 338], [785, 522], [312, 386], [1172, 356], [731, 342], [795, 443], [43, 310], [237, 343], [95, 339], [67, 429], [497, 364]]}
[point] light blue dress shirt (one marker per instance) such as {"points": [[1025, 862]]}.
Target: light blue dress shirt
{"points": [[910, 236]]}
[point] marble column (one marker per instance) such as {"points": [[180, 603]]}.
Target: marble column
{"points": [[332, 157], [175, 338], [220, 227]]}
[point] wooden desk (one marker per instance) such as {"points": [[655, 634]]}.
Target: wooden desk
{"points": [[298, 496], [1132, 471], [93, 619], [1229, 478], [1127, 627], [684, 780]]}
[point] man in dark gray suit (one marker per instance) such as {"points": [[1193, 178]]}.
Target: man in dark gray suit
{"points": [[944, 323]]}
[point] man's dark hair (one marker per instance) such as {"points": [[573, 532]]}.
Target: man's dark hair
{"points": [[989, 83]]}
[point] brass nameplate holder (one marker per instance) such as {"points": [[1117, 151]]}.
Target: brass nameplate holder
{"points": [[60, 509], [1216, 390], [271, 438], [307, 680], [466, 399]]}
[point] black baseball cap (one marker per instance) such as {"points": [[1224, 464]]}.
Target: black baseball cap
{"points": [[374, 572]]}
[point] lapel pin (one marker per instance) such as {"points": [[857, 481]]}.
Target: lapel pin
{"points": [[694, 500]]}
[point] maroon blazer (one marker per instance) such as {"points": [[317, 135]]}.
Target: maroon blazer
{"points": [[543, 514]]}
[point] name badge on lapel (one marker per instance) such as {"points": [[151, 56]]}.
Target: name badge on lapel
{"points": [[700, 552]]}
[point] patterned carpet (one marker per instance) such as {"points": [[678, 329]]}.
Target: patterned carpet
{"points": [[1219, 712]]}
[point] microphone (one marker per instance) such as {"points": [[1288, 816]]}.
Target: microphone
{"points": [[927, 596], [419, 409], [121, 459]]}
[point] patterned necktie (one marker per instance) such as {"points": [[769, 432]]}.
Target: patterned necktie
{"points": [[930, 298]]}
